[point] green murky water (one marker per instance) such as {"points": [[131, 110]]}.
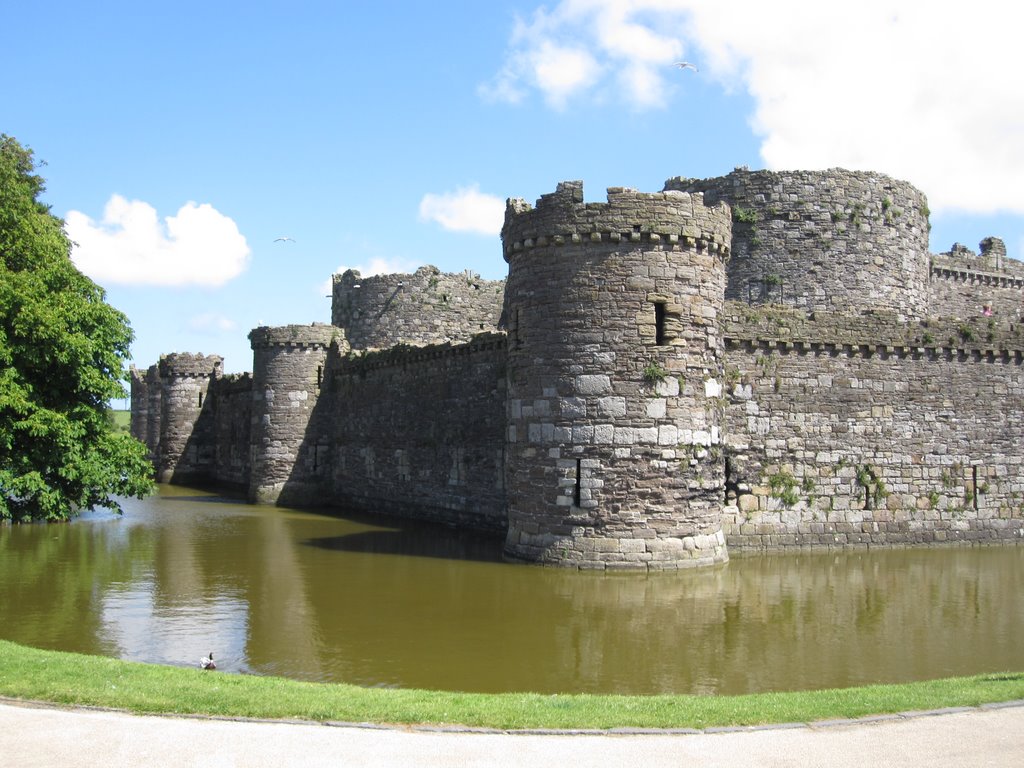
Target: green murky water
{"points": [[380, 602]]}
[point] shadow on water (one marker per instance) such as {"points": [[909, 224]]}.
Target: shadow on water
{"points": [[413, 540], [218, 500]]}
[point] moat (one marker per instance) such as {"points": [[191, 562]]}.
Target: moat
{"points": [[380, 602]]}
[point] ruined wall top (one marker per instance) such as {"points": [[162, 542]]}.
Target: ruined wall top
{"points": [[186, 364], [562, 217], [992, 259]]}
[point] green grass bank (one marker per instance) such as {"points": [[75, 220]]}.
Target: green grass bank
{"points": [[66, 678]]}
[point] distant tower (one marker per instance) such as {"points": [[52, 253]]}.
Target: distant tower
{"points": [[185, 449], [848, 241], [289, 365], [615, 379], [147, 409]]}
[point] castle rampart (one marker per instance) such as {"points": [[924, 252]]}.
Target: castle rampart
{"points": [[757, 361], [614, 373], [842, 240], [426, 307]]}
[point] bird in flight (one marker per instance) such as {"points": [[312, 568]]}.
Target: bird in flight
{"points": [[685, 65], [284, 239]]}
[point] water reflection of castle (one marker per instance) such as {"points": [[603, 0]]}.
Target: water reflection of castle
{"points": [[753, 361]]}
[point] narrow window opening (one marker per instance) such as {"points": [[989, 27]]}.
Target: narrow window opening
{"points": [[200, 398], [576, 488], [974, 479], [728, 481], [319, 376], [659, 323]]}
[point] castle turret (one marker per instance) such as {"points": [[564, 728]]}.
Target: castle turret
{"points": [[185, 450], [615, 379], [288, 371], [837, 240]]}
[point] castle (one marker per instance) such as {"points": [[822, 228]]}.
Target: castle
{"points": [[754, 361]]}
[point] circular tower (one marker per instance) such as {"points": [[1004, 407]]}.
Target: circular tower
{"points": [[839, 240], [614, 379], [185, 446], [426, 307], [289, 365]]}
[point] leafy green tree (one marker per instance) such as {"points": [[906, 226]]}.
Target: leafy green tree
{"points": [[62, 354]]}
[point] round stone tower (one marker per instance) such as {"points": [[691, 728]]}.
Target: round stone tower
{"points": [[615, 379], [184, 450], [427, 307], [839, 240], [289, 365]]}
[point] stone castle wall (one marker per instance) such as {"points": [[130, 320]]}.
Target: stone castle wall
{"points": [[418, 432], [756, 361], [845, 433], [426, 307]]}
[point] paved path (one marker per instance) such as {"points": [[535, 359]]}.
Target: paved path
{"points": [[36, 735]]}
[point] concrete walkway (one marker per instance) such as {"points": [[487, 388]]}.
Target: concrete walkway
{"points": [[38, 735]]}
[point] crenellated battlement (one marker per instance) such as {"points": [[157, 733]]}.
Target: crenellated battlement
{"points": [[189, 365], [316, 335], [659, 219]]}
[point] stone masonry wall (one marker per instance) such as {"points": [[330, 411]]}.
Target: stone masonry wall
{"points": [[841, 240], [614, 373], [855, 431], [426, 307], [418, 432]]}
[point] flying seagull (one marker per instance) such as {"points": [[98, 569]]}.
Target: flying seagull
{"points": [[685, 65], [284, 239]]}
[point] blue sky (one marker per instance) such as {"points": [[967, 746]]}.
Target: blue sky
{"points": [[182, 138]]}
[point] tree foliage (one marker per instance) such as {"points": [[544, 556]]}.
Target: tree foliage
{"points": [[62, 354]]}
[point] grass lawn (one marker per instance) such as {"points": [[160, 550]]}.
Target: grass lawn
{"points": [[66, 678]]}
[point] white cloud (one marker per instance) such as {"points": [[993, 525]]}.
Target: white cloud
{"points": [[131, 246], [211, 322], [925, 91], [465, 210]]}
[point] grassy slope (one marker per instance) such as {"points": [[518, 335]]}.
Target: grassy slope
{"points": [[67, 678]]}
